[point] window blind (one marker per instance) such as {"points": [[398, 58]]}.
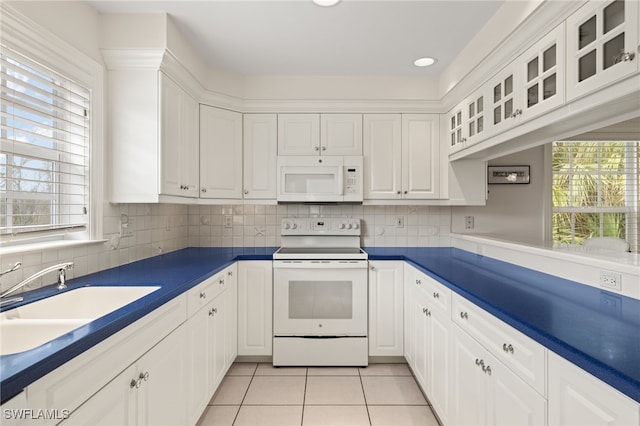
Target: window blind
{"points": [[595, 191], [44, 148]]}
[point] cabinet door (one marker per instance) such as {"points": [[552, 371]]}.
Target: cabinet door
{"points": [[601, 45], [578, 398], [255, 321], [198, 364], [231, 311], [220, 153], [542, 71], [467, 379], [420, 156], [382, 156], [260, 155], [162, 394], [504, 101], [386, 313], [114, 404], [298, 134], [217, 328], [421, 335], [439, 389], [341, 134], [475, 114], [179, 140], [456, 128], [409, 325], [510, 401]]}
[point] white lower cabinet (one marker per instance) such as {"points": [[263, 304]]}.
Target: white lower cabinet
{"points": [[255, 307], [578, 398], [428, 338], [486, 392], [386, 313], [152, 391]]}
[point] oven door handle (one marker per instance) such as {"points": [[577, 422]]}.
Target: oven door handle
{"points": [[320, 264]]}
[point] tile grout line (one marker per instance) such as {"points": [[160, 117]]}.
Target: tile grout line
{"points": [[245, 395], [364, 395], [304, 395]]}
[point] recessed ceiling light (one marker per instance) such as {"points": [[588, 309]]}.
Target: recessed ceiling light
{"points": [[424, 62], [326, 3]]}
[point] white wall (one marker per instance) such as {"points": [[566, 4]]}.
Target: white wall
{"points": [[513, 212]]}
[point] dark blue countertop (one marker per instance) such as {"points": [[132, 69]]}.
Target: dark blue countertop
{"points": [[174, 272], [595, 329]]}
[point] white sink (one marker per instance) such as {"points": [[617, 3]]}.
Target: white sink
{"points": [[34, 324]]}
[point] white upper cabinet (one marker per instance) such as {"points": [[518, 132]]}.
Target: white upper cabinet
{"points": [[178, 140], [382, 156], [420, 156], [260, 153], [220, 153], [341, 134], [468, 121], [542, 72], [319, 134], [401, 156], [602, 39], [504, 98], [298, 134]]}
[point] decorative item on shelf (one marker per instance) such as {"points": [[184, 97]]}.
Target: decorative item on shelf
{"points": [[508, 174]]}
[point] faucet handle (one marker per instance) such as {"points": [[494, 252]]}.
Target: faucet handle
{"points": [[16, 266]]}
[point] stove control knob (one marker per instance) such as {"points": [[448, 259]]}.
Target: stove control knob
{"points": [[342, 226], [356, 226], [349, 226], [287, 225], [294, 226]]}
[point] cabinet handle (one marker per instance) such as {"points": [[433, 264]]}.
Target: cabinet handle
{"points": [[212, 311], [398, 192], [324, 148], [317, 148], [480, 362], [624, 57], [436, 295], [246, 191], [222, 281], [230, 273], [507, 348], [133, 384], [425, 310], [487, 369], [418, 282], [144, 376], [204, 189], [203, 295], [406, 192], [464, 315], [428, 313], [463, 140]]}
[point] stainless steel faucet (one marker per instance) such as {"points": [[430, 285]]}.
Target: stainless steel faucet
{"points": [[62, 278]]}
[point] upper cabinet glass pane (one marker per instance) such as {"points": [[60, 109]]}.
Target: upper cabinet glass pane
{"points": [[508, 85], [613, 15], [480, 104], [613, 50], [587, 33], [532, 69], [549, 58], [587, 66]]}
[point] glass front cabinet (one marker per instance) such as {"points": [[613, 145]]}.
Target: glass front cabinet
{"points": [[602, 39]]}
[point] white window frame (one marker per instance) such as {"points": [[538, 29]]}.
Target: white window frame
{"points": [[32, 40]]}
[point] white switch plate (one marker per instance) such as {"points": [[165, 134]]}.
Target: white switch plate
{"points": [[609, 279], [228, 221]]}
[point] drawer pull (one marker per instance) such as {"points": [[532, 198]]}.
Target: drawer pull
{"points": [[480, 362], [436, 295], [424, 310], [428, 313], [203, 295], [418, 282], [222, 281], [230, 273], [486, 369], [507, 348], [213, 311], [464, 315]]}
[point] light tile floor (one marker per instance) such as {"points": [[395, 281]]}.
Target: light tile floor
{"points": [[258, 394]]}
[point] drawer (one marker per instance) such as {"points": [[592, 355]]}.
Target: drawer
{"points": [[204, 292], [525, 357], [438, 295]]}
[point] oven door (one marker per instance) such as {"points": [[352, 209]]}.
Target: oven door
{"points": [[320, 298]]}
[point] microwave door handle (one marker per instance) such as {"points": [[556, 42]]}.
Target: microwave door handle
{"points": [[341, 189]]}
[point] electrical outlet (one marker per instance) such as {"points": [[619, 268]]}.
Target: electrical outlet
{"points": [[611, 280], [468, 222], [399, 221], [228, 221]]}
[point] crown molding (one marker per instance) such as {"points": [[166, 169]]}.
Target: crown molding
{"points": [[126, 59]]}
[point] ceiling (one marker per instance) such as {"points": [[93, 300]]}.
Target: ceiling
{"points": [[296, 37]]}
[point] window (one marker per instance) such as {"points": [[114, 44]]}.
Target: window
{"points": [[44, 148], [595, 191]]}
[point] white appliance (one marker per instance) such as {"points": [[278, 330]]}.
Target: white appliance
{"points": [[320, 294], [331, 179]]}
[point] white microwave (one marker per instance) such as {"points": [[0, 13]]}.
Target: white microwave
{"points": [[331, 179]]}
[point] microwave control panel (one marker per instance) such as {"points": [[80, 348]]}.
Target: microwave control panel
{"points": [[352, 178]]}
